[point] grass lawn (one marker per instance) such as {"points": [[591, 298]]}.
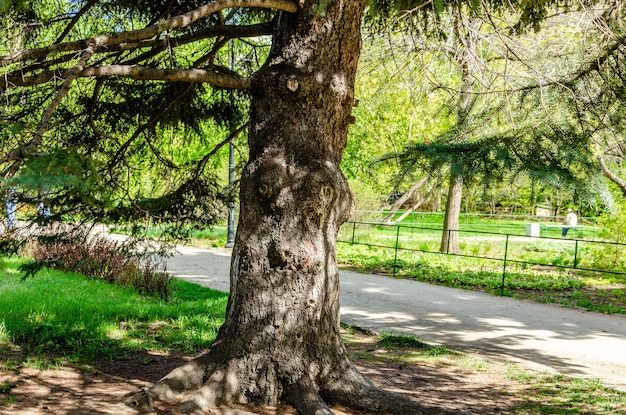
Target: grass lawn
{"points": [[71, 317], [92, 337]]}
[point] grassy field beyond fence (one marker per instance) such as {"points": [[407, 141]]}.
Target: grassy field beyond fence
{"points": [[573, 272], [512, 224]]}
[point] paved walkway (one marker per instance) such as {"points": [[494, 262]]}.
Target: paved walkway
{"points": [[546, 337]]}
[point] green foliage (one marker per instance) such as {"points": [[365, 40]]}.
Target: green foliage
{"points": [[394, 108], [613, 228], [68, 170], [118, 149], [15, 5], [10, 244], [507, 121], [528, 14]]}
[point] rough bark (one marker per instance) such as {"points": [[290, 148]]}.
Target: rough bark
{"points": [[281, 341]]}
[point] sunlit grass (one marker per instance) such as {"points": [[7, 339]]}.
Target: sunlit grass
{"points": [[66, 314]]}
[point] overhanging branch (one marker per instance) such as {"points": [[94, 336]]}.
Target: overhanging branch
{"points": [[104, 41], [135, 72], [169, 75], [72, 75]]}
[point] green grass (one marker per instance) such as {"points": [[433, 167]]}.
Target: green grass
{"points": [[68, 315], [595, 292]]}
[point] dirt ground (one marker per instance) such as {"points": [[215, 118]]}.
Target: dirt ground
{"points": [[99, 388]]}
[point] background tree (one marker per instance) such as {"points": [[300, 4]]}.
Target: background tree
{"points": [[509, 117], [396, 107]]}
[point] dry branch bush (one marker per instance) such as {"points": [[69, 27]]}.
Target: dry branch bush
{"points": [[101, 258]]}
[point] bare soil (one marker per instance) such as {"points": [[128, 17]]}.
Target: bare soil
{"points": [[101, 386]]}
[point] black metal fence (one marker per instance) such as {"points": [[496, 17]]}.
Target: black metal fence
{"points": [[558, 253]]}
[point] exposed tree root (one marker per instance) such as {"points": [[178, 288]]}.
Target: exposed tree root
{"points": [[354, 391], [204, 387], [305, 398]]}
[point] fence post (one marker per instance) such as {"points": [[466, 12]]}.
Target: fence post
{"points": [[506, 252], [395, 251], [353, 230], [576, 254]]}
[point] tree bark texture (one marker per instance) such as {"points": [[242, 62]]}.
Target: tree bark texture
{"points": [[281, 341]]}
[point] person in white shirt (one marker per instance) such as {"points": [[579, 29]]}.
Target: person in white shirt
{"points": [[571, 220]]}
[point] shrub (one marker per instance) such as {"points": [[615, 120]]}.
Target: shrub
{"points": [[100, 258], [10, 245]]}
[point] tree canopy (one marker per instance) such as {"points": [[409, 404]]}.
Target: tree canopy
{"points": [[529, 91]]}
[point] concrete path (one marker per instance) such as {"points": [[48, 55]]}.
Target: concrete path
{"points": [[546, 337]]}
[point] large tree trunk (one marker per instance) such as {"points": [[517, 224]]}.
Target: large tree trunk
{"points": [[281, 340]]}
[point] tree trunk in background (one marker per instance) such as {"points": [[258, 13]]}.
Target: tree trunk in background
{"points": [[465, 34], [611, 175], [450, 235], [281, 339], [400, 202]]}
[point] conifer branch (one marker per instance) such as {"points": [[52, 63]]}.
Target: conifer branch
{"points": [[170, 75], [608, 173], [65, 88], [75, 20], [134, 72], [103, 42], [227, 140]]}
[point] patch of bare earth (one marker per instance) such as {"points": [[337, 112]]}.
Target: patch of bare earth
{"points": [[100, 387]]}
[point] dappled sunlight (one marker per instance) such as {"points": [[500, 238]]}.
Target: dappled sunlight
{"points": [[379, 290], [502, 322], [549, 337], [380, 317]]}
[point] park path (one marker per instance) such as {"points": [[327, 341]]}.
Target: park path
{"points": [[543, 336]]}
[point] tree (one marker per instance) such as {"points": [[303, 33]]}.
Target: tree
{"points": [[509, 100], [280, 341]]}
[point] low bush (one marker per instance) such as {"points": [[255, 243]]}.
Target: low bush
{"points": [[100, 258]]}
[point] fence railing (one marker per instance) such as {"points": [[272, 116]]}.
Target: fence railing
{"points": [[512, 223], [558, 253]]}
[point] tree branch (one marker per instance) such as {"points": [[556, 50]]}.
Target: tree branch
{"points": [[75, 20], [72, 75], [608, 173], [122, 150], [16, 78], [227, 140], [169, 75], [105, 41], [134, 72]]}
